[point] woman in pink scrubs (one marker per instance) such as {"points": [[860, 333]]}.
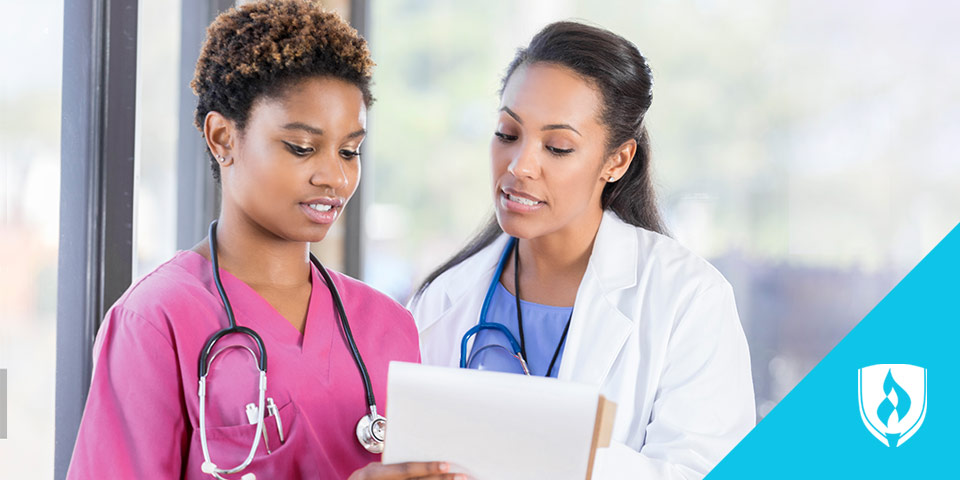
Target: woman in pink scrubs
{"points": [[283, 92]]}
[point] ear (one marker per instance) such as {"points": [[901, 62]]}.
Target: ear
{"points": [[618, 162], [220, 132]]}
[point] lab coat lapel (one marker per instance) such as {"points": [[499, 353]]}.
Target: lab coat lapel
{"points": [[602, 314], [463, 297]]}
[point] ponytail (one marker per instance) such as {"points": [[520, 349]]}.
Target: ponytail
{"points": [[632, 197]]}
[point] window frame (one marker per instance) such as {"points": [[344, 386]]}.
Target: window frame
{"points": [[97, 145]]}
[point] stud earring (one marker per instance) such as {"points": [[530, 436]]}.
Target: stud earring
{"points": [[220, 158]]}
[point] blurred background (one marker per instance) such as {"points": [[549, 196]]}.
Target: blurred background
{"points": [[805, 148]]}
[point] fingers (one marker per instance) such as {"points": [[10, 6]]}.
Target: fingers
{"points": [[425, 471], [407, 471], [413, 470]]}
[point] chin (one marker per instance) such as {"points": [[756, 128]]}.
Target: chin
{"points": [[519, 227], [316, 233], [310, 233]]}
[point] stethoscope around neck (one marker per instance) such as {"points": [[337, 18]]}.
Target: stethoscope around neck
{"points": [[371, 427], [517, 349]]}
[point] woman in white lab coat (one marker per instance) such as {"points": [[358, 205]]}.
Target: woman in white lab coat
{"points": [[601, 295]]}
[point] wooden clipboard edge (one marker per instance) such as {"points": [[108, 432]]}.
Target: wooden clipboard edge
{"points": [[602, 429]]}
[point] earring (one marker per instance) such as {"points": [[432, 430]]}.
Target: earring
{"points": [[220, 158]]}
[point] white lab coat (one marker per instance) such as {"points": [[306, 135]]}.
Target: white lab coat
{"points": [[654, 326]]}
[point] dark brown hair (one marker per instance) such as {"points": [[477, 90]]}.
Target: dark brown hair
{"points": [[260, 48]]}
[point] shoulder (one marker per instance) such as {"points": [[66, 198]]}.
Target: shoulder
{"points": [[357, 292], [687, 289], [152, 298], [669, 260], [373, 316], [654, 268]]}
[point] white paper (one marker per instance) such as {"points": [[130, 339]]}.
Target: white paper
{"points": [[489, 425]]}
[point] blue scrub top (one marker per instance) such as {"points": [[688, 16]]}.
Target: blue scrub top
{"points": [[542, 327]]}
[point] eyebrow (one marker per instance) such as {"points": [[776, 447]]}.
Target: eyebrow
{"points": [[318, 131], [512, 114], [358, 133], [558, 126], [552, 126], [304, 127]]}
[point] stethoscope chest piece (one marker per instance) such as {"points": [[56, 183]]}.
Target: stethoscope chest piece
{"points": [[371, 431]]}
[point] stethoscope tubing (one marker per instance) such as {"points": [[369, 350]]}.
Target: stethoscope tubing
{"points": [[483, 323], [204, 364], [518, 347], [345, 327], [207, 462]]}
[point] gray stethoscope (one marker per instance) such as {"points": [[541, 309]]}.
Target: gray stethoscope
{"points": [[517, 349], [370, 428]]}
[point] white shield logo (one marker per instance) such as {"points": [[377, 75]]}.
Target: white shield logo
{"points": [[893, 401]]}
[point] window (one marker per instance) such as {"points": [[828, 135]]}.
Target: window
{"points": [[158, 116], [804, 149], [31, 47]]}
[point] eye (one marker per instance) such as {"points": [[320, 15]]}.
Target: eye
{"points": [[559, 151], [297, 149], [503, 137], [349, 154]]}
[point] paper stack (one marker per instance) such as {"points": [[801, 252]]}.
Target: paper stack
{"points": [[492, 425]]}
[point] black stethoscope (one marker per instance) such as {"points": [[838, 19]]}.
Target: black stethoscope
{"points": [[371, 427]]}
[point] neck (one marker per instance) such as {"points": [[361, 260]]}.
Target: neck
{"points": [[563, 254], [257, 256]]}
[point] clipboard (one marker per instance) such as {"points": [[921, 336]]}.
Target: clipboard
{"points": [[602, 429], [492, 425]]}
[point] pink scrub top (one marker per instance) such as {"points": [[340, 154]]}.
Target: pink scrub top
{"points": [[141, 418]]}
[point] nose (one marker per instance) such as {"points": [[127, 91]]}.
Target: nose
{"points": [[524, 162], [330, 172]]}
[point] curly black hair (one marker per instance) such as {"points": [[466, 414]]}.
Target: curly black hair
{"points": [[260, 48]]}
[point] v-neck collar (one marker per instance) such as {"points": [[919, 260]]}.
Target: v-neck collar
{"points": [[252, 310]]}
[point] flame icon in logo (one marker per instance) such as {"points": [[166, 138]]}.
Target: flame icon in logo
{"points": [[889, 412], [896, 401]]}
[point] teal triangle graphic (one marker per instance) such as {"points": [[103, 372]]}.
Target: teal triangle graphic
{"points": [[816, 431]]}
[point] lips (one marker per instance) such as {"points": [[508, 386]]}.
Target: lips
{"points": [[322, 210], [331, 201], [520, 196], [522, 200], [320, 207], [519, 202]]}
